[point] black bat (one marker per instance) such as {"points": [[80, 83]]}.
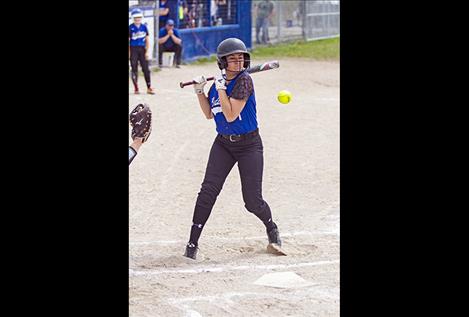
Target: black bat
{"points": [[250, 70]]}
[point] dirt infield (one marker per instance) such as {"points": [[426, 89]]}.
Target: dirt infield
{"points": [[301, 185]]}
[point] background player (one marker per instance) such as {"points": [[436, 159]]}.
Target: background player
{"points": [[139, 48]]}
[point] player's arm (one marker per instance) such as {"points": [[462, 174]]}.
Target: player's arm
{"points": [[147, 46], [200, 82], [163, 39], [205, 106], [233, 105], [133, 149], [176, 39], [164, 11], [147, 43]]}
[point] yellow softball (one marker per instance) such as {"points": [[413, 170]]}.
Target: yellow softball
{"points": [[284, 96]]}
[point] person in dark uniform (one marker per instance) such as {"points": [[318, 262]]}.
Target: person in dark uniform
{"points": [[164, 13], [231, 102], [139, 46]]}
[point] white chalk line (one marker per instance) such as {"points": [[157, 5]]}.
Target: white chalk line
{"points": [[211, 298], [232, 298], [282, 235], [226, 268]]}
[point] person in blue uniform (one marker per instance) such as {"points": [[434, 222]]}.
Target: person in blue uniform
{"points": [[139, 48], [170, 41], [231, 102]]}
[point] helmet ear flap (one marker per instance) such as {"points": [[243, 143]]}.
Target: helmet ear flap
{"points": [[222, 64], [247, 60]]}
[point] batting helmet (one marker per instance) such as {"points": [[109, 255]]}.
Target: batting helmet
{"points": [[231, 46], [136, 13]]}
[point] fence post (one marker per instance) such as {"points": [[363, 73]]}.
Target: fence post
{"points": [[279, 6], [303, 19], [156, 23]]}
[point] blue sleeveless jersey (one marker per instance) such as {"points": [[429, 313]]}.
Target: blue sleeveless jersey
{"points": [[247, 119]]}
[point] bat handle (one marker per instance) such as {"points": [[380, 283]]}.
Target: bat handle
{"points": [[182, 85]]}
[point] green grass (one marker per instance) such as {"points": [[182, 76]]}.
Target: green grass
{"points": [[327, 49], [205, 60]]}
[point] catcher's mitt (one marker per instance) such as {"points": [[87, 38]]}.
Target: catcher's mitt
{"points": [[140, 119]]}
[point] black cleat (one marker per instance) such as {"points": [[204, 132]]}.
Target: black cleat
{"points": [[191, 251], [275, 244], [274, 237]]}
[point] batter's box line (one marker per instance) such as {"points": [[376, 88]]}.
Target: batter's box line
{"points": [[226, 268]]}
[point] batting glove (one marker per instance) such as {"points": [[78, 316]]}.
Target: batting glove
{"points": [[220, 82], [200, 82]]}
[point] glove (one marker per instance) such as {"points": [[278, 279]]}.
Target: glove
{"points": [[220, 82], [199, 85], [140, 119]]}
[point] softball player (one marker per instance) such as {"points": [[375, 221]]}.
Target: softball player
{"points": [[139, 45], [231, 103]]}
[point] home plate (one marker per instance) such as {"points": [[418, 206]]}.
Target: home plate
{"points": [[283, 280]]}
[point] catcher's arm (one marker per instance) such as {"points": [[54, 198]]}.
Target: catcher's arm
{"points": [[133, 149]]}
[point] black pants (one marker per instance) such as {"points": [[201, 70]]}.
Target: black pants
{"points": [[177, 49], [223, 156], [137, 54]]}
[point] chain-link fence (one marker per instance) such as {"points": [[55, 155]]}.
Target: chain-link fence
{"points": [[284, 20], [322, 19], [200, 13]]}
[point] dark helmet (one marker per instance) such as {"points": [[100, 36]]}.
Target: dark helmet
{"points": [[230, 46]]}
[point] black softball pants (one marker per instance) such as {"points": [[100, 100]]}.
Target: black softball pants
{"points": [[137, 54], [223, 156]]}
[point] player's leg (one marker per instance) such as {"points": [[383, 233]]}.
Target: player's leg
{"points": [[161, 49], [178, 53], [146, 71], [258, 28], [251, 167], [264, 30], [267, 37], [220, 163], [134, 67]]}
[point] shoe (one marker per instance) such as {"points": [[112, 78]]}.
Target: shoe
{"points": [[274, 237], [136, 92], [275, 244], [178, 66], [191, 251], [150, 91]]}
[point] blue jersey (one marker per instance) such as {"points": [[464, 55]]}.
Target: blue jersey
{"points": [[239, 88], [137, 34], [169, 43]]}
